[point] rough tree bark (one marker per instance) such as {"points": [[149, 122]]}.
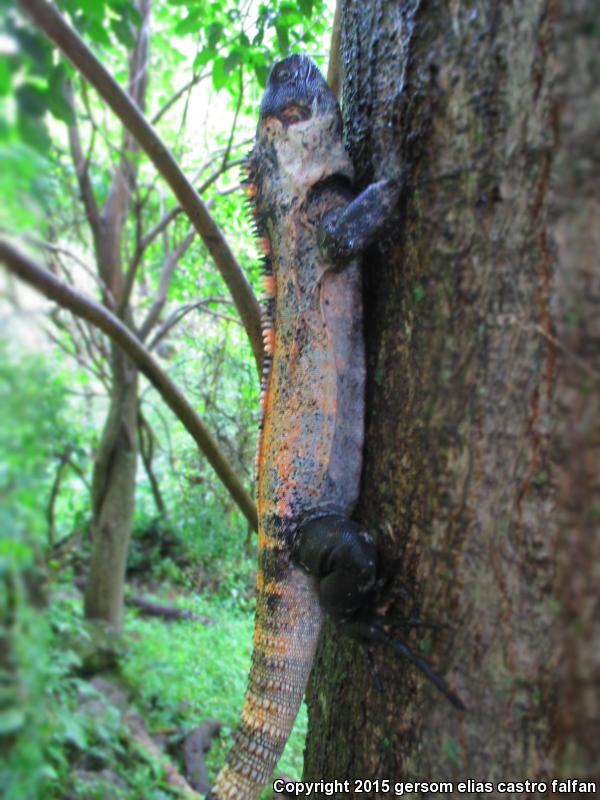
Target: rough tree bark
{"points": [[462, 355], [576, 229]]}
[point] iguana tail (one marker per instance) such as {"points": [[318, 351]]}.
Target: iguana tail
{"points": [[288, 623]]}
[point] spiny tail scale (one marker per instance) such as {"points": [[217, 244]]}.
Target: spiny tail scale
{"points": [[288, 615]]}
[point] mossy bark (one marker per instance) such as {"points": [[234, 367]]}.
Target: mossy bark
{"points": [[457, 481]]}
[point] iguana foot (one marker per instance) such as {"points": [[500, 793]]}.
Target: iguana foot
{"points": [[373, 632], [342, 555]]}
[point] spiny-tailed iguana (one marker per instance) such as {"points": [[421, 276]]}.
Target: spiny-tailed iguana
{"points": [[313, 559]]}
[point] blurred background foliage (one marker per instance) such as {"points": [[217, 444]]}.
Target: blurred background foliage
{"points": [[63, 734]]}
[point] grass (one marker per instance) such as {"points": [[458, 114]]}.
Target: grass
{"points": [[185, 672]]}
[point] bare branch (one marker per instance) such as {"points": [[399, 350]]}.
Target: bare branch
{"points": [[80, 162], [117, 202], [76, 356], [166, 220], [42, 280], [181, 312], [51, 22], [170, 264], [194, 80], [51, 247], [63, 460], [144, 242], [334, 69], [235, 119], [146, 442]]}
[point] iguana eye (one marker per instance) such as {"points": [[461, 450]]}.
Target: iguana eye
{"points": [[284, 75]]}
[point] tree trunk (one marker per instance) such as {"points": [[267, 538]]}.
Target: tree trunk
{"points": [[113, 486], [576, 226], [113, 497], [461, 361]]}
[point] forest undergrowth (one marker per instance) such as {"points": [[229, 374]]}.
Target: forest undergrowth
{"points": [[85, 714]]}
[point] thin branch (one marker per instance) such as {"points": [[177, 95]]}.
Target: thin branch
{"points": [[146, 440], [51, 22], [143, 740], [194, 80], [54, 491], [116, 205], [76, 356], [170, 264], [95, 313], [583, 365], [80, 473], [180, 313], [60, 250], [334, 69], [235, 119], [166, 220], [144, 242], [81, 163]]}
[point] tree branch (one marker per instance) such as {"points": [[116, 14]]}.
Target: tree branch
{"points": [[51, 22], [334, 68], [173, 213], [81, 169], [194, 80], [63, 460], [169, 267], [146, 442], [56, 249], [116, 206], [42, 280], [180, 313]]}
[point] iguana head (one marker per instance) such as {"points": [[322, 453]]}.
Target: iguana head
{"points": [[298, 140], [296, 91]]}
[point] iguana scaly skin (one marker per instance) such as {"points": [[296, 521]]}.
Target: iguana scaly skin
{"points": [[312, 558]]}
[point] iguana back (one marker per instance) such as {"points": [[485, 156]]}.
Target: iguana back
{"points": [[310, 442]]}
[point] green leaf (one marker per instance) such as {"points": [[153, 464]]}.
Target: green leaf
{"points": [[204, 56], [189, 24], [213, 34], [306, 7], [262, 73], [96, 32], [34, 132], [55, 97], [218, 73], [74, 733], [233, 60], [5, 77], [11, 720], [94, 9], [36, 48], [31, 100], [418, 293], [122, 30], [283, 38]]}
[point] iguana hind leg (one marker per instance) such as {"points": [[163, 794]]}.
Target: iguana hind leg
{"points": [[342, 556]]}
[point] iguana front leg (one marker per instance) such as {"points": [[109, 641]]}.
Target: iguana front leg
{"points": [[342, 556], [348, 231]]}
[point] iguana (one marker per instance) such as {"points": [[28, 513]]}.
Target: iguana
{"points": [[313, 559]]}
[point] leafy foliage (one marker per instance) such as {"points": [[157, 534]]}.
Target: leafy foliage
{"points": [[208, 64]]}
